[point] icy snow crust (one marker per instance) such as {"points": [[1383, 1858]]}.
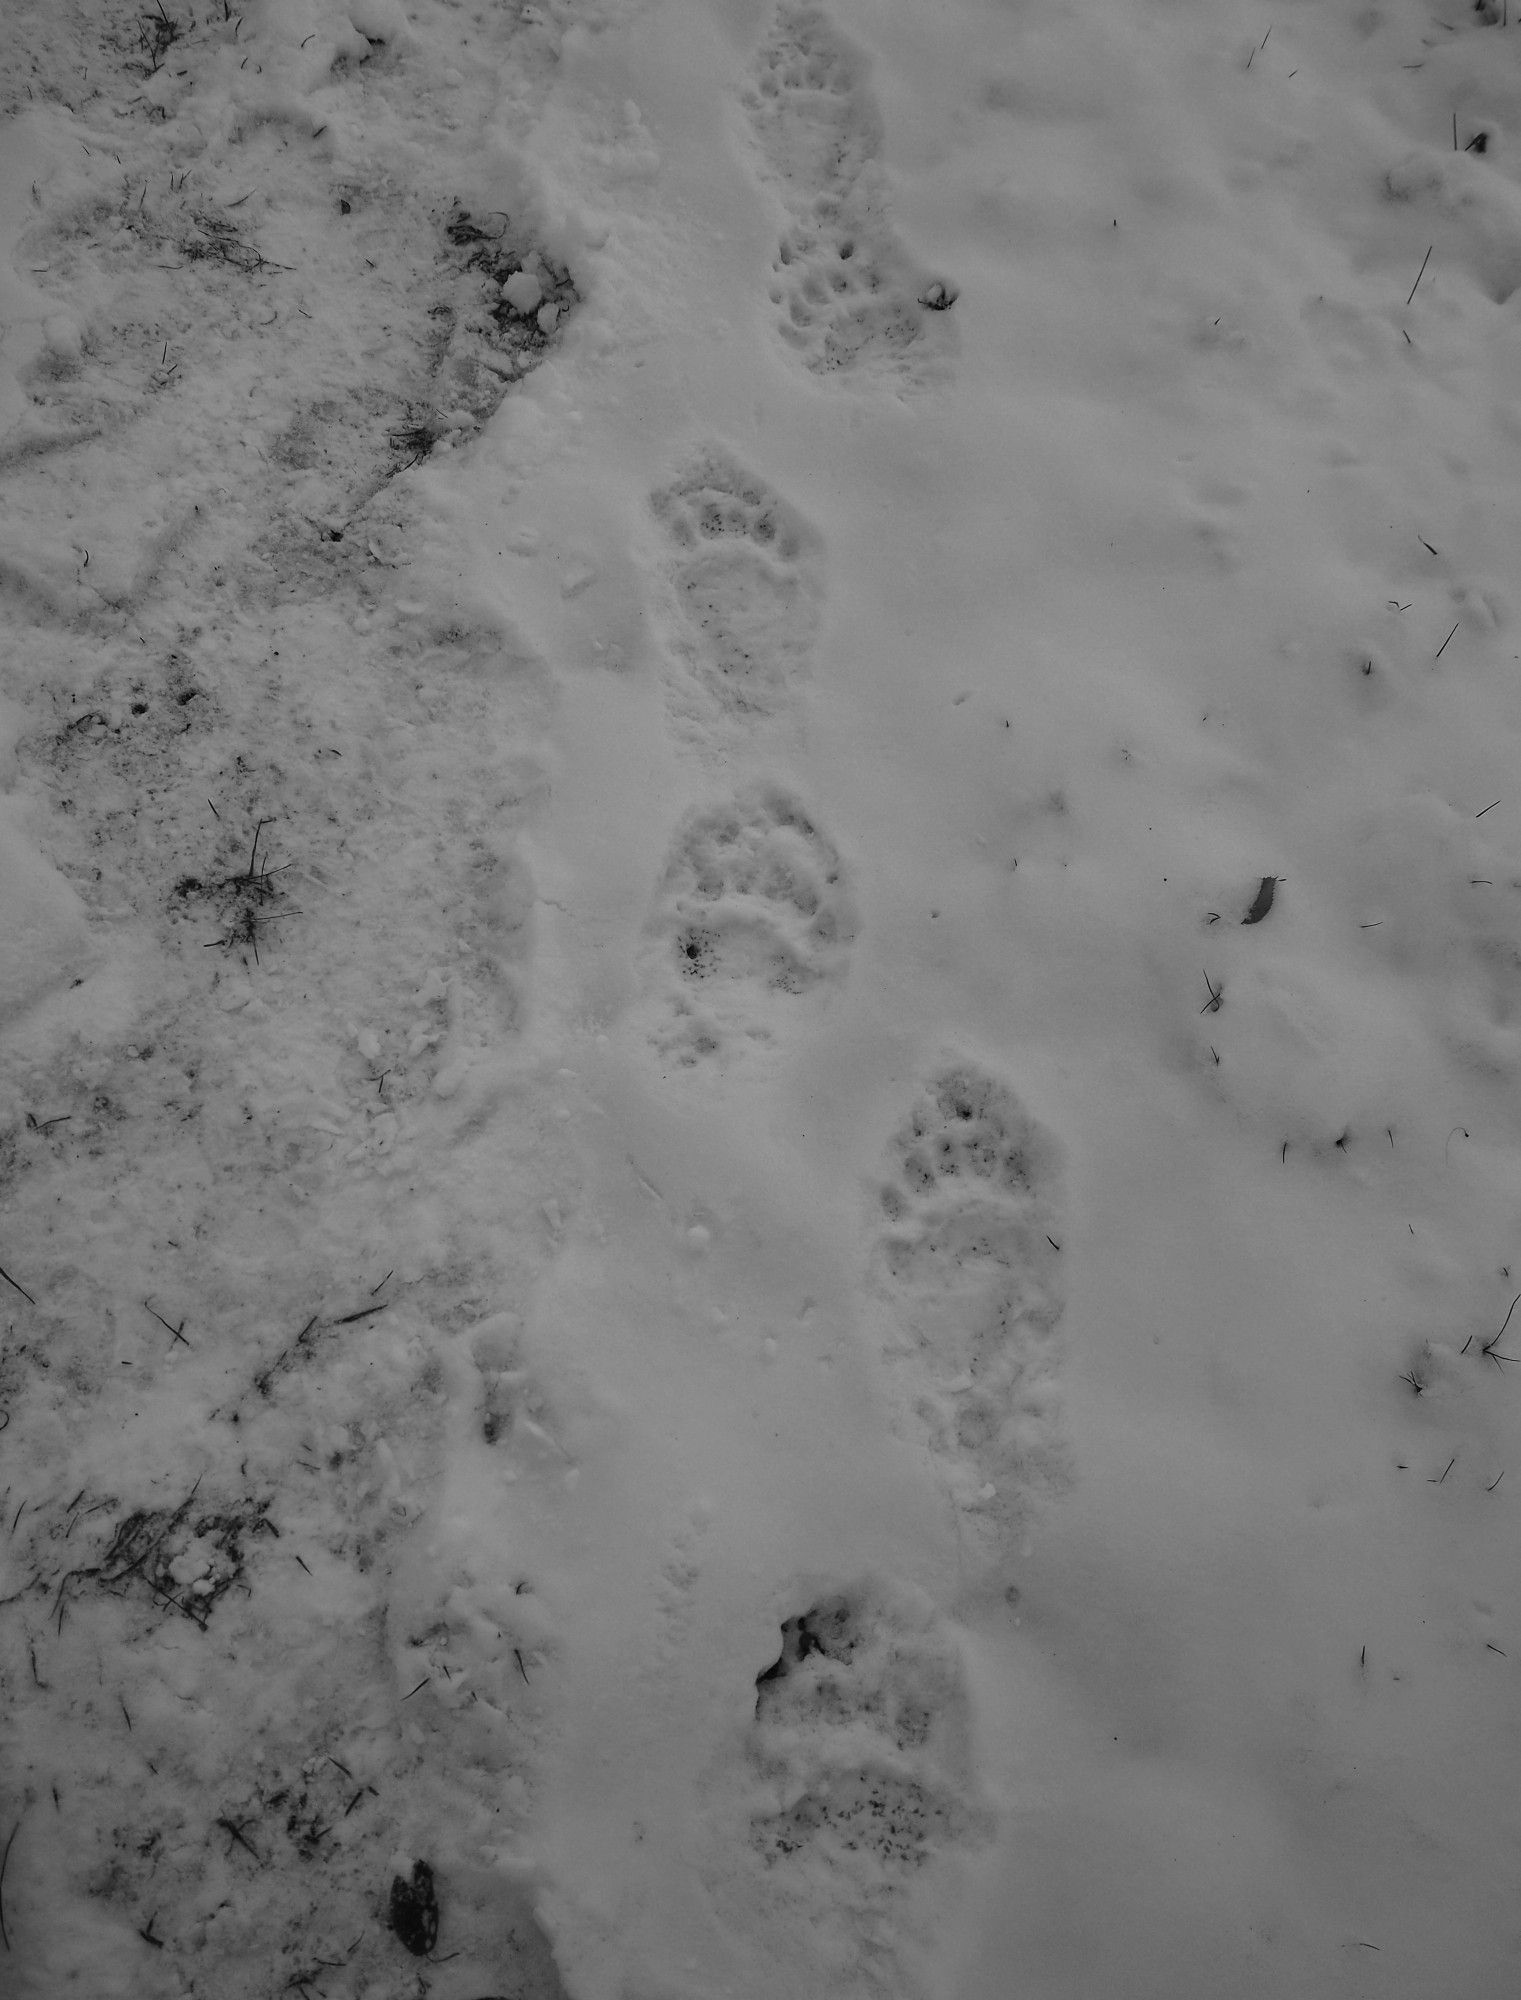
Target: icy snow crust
{"points": [[687, 1312]]}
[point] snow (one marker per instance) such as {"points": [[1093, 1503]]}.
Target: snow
{"points": [[695, 1301]]}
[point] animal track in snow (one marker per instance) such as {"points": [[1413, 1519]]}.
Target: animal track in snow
{"points": [[753, 914], [968, 1266], [849, 296], [857, 1779], [744, 579], [517, 1415], [681, 1566]]}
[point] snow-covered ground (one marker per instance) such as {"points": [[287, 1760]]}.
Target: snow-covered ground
{"points": [[682, 1317]]}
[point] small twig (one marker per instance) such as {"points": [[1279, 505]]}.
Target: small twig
{"points": [[1443, 648], [1216, 995], [349, 1318], [384, 1281], [235, 1829], [1418, 277], [19, 1288], [1445, 1470], [1495, 1482], [1492, 804], [177, 1331]]}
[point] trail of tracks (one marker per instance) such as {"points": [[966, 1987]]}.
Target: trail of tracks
{"points": [[332, 1299]]}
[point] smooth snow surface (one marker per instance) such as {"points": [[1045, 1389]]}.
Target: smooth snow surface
{"points": [[701, 1300]]}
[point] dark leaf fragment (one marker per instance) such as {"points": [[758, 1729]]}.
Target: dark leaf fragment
{"points": [[414, 1910], [1263, 902]]}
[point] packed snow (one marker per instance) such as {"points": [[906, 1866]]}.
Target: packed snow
{"points": [[760, 999]]}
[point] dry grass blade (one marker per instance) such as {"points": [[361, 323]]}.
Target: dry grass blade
{"points": [[5, 1937]]}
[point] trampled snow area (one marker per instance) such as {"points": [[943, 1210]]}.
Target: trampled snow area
{"points": [[760, 946]]}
